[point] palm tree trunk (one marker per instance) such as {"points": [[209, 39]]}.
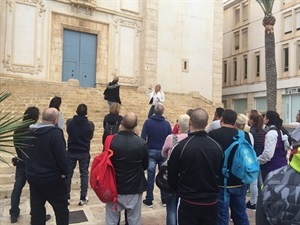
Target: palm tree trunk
{"points": [[271, 72]]}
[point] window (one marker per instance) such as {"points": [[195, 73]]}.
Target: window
{"points": [[261, 104], [288, 24], [234, 69], [298, 55], [285, 58], [257, 62], [291, 106], [236, 41], [240, 105], [245, 38], [245, 67], [245, 12], [237, 16], [225, 71], [298, 20]]}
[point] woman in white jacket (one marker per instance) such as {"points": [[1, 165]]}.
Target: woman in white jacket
{"points": [[155, 97]]}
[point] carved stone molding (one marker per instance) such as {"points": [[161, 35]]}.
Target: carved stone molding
{"points": [[88, 6], [121, 22], [22, 69], [9, 3]]}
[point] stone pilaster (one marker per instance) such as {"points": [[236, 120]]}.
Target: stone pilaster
{"points": [[149, 43], [217, 53]]}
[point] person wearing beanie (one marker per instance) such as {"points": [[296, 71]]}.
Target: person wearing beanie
{"points": [[280, 201], [80, 133]]}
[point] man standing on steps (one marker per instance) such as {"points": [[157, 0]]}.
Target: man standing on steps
{"points": [[112, 92], [155, 131], [81, 132], [46, 169]]}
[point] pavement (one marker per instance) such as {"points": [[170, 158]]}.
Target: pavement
{"points": [[94, 211]]}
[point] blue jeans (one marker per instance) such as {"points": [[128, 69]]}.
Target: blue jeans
{"points": [[236, 200], [84, 162], [171, 204], [154, 159], [20, 181]]}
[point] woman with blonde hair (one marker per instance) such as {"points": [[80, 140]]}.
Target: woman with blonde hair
{"points": [[170, 142], [112, 121]]}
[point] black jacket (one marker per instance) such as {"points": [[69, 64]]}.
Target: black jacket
{"points": [[193, 168], [47, 160], [130, 160], [112, 92], [110, 119], [80, 132]]}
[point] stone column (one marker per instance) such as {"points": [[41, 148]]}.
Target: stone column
{"points": [[149, 43]]}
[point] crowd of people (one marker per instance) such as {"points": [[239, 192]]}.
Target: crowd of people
{"points": [[194, 152]]}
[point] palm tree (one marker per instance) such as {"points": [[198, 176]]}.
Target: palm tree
{"points": [[8, 124], [271, 73]]}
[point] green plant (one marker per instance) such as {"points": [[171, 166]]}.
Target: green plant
{"points": [[10, 122]]}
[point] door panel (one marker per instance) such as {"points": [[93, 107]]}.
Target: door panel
{"points": [[79, 57]]}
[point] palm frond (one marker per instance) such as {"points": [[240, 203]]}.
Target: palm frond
{"points": [[9, 123], [266, 5]]}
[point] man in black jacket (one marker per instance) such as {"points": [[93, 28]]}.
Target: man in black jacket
{"points": [[46, 169], [193, 170], [130, 160], [81, 132]]}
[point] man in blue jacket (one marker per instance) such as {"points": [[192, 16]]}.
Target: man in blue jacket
{"points": [[46, 169], [80, 131], [155, 131]]}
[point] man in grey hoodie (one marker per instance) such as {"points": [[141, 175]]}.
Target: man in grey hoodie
{"points": [[46, 169]]}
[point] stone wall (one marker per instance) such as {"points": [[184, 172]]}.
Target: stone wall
{"points": [[27, 92]]}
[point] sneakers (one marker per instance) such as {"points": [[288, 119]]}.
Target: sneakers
{"points": [[250, 206], [148, 203], [83, 202], [14, 219]]}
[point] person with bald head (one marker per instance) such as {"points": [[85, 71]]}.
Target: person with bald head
{"points": [[193, 169], [46, 169], [130, 160]]}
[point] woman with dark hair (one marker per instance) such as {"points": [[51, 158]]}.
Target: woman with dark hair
{"points": [[55, 103], [273, 151]]}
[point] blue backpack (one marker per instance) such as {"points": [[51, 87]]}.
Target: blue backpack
{"points": [[244, 165]]}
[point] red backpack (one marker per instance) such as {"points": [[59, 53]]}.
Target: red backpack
{"points": [[103, 177]]}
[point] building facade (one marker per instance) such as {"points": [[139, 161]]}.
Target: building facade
{"points": [[176, 44], [244, 78]]}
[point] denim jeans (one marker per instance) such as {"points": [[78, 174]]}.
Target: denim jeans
{"points": [[155, 158], [236, 199], [20, 181], [84, 162], [171, 205]]}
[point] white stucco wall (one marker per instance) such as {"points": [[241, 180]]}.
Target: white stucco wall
{"points": [[185, 31]]}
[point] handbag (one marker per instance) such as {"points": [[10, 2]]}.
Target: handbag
{"points": [[161, 179]]}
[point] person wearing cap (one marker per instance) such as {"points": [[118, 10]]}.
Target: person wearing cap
{"points": [[280, 202], [240, 124]]}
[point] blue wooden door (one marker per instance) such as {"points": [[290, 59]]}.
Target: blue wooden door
{"points": [[79, 57]]}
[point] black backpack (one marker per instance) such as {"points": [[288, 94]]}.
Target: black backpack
{"points": [[111, 128]]}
